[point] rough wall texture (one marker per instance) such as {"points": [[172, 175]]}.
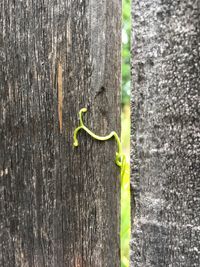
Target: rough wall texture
{"points": [[59, 205], [165, 182]]}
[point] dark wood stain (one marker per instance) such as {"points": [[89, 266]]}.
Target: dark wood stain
{"points": [[58, 203], [60, 96]]}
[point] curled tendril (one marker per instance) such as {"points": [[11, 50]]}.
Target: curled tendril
{"points": [[120, 158]]}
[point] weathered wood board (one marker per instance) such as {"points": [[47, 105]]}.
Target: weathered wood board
{"points": [[59, 204], [165, 160]]}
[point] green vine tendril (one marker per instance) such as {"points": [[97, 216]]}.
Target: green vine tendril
{"points": [[120, 158]]}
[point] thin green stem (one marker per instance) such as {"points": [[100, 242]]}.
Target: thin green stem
{"points": [[120, 159]]}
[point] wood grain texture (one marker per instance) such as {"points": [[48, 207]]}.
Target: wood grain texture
{"points": [[165, 157], [59, 204]]}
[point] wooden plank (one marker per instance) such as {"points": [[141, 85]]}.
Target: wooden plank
{"points": [[165, 156], [59, 204]]}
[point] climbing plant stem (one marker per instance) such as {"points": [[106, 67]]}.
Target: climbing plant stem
{"points": [[120, 158]]}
